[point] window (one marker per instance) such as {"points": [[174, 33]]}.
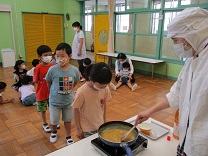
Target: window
{"points": [[171, 3], [88, 22], [156, 4], [102, 5], [135, 4], [124, 23], [90, 6], [120, 5]]}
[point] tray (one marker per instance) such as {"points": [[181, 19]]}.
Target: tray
{"points": [[157, 131]]}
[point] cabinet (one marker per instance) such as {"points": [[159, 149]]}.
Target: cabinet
{"points": [[8, 57]]}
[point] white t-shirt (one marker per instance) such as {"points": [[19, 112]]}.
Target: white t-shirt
{"points": [[26, 90], [76, 44], [0, 94], [31, 72]]}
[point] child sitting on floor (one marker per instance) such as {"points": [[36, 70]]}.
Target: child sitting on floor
{"points": [[19, 72], [27, 91], [2, 89], [35, 62], [124, 79]]}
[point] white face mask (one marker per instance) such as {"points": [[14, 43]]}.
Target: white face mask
{"points": [[75, 29], [23, 66], [98, 89], [182, 51], [125, 70], [62, 61], [46, 59]]}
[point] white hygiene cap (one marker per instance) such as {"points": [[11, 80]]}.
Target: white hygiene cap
{"points": [[192, 25]]}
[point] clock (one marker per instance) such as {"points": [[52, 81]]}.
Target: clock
{"points": [[103, 37]]}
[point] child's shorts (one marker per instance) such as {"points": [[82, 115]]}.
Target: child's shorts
{"points": [[42, 106], [124, 80], [55, 111]]}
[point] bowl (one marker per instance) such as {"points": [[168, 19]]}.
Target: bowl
{"points": [[145, 127]]}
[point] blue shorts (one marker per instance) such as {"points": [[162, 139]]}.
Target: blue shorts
{"points": [[55, 112]]}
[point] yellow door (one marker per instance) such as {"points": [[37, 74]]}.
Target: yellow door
{"points": [[101, 29], [41, 29], [33, 34]]}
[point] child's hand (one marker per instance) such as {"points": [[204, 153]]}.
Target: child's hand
{"points": [[79, 133]]}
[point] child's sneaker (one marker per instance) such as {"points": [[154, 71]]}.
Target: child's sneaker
{"points": [[69, 141], [134, 87], [46, 128], [82, 79], [53, 137], [113, 86]]}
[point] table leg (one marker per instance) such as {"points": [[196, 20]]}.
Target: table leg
{"points": [[152, 70]]}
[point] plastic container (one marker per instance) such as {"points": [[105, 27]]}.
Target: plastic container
{"points": [[175, 127]]}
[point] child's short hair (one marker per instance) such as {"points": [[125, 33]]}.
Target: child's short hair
{"points": [[101, 73], [3, 85], [35, 62], [26, 80], [87, 61], [121, 56], [17, 63], [126, 65], [43, 49], [87, 72], [64, 46]]}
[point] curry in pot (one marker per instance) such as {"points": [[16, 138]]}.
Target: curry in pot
{"points": [[115, 135]]}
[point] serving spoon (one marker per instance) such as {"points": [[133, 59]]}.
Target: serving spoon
{"points": [[126, 134]]}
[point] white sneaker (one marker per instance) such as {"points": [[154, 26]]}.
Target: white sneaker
{"points": [[58, 126], [46, 128], [53, 137], [113, 86], [82, 79], [134, 87], [69, 141]]}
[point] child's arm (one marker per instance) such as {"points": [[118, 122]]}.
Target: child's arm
{"points": [[79, 132], [49, 84], [104, 114], [20, 95], [16, 77]]}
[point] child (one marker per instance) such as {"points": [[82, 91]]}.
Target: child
{"points": [[82, 68], [19, 72], [89, 106], [124, 78], [2, 89], [35, 62], [42, 91], [27, 91], [61, 80]]}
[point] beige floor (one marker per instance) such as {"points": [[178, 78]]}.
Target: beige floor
{"points": [[21, 127]]}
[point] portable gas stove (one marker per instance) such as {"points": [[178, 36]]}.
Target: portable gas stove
{"points": [[106, 150]]}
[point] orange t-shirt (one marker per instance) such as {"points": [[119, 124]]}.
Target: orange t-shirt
{"points": [[42, 91], [91, 110]]}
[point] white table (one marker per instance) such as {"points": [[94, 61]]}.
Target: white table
{"points": [[136, 58], [159, 147]]}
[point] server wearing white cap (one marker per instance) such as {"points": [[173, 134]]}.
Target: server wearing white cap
{"points": [[189, 32]]}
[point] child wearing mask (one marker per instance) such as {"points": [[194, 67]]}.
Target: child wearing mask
{"points": [[2, 89], [124, 78], [42, 91], [61, 80], [19, 72], [89, 106], [27, 91], [35, 62], [82, 68]]}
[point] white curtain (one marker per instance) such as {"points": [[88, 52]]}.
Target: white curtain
{"points": [[111, 30]]}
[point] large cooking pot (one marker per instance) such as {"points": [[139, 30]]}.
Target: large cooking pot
{"points": [[118, 125]]}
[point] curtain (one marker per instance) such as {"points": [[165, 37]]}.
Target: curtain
{"points": [[111, 30]]}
